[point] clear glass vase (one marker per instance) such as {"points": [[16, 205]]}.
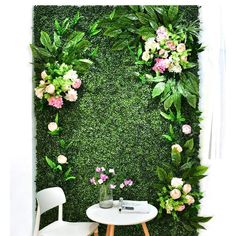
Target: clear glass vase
{"points": [[105, 196]]}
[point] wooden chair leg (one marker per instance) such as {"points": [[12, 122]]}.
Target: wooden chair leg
{"points": [[108, 230], [112, 230], [96, 232], [145, 229]]}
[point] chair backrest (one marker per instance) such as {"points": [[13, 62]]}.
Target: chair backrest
{"points": [[49, 198]]}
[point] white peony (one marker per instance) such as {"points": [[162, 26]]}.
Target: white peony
{"points": [[177, 182], [50, 89], [177, 147], [43, 74], [146, 56], [39, 92], [61, 159], [52, 126], [71, 95], [71, 74]]}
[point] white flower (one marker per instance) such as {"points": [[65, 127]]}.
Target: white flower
{"points": [[177, 182], [190, 199], [175, 194], [100, 181], [61, 159], [112, 186], [184, 58], [50, 89], [162, 33], [151, 44], [175, 67], [112, 171], [52, 126], [186, 129], [71, 74], [43, 74], [122, 185], [187, 188], [103, 169], [39, 92], [71, 95], [146, 56], [42, 82], [181, 47], [177, 147]]}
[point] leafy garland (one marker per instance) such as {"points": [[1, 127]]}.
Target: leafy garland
{"points": [[57, 64], [166, 47]]}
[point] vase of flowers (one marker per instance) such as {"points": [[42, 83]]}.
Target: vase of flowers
{"points": [[106, 180]]}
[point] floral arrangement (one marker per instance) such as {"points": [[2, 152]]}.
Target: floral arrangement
{"points": [[177, 197], [167, 51], [58, 82], [104, 177]]}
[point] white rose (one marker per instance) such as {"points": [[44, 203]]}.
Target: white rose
{"points": [[186, 129], [180, 208], [71, 95], [61, 159], [146, 56], [151, 44], [71, 74], [50, 89], [177, 147], [181, 47], [175, 194], [52, 126], [42, 82], [43, 74], [100, 181], [187, 188], [122, 185], [175, 67], [190, 199], [39, 92], [177, 182], [112, 171]]}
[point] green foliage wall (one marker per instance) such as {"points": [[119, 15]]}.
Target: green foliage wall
{"points": [[114, 123]]}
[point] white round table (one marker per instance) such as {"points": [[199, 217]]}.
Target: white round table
{"points": [[112, 217]]}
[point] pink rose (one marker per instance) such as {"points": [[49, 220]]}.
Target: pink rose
{"points": [[190, 199], [76, 84], [187, 188], [171, 45], [98, 169], [186, 129], [181, 47], [55, 102], [71, 95], [161, 65], [128, 182], [50, 89], [175, 194], [177, 147], [61, 159], [103, 177], [163, 53], [180, 208]]}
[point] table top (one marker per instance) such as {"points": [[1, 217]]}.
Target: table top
{"points": [[111, 216]]}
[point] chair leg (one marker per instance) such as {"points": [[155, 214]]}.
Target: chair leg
{"points": [[145, 229], [96, 232]]}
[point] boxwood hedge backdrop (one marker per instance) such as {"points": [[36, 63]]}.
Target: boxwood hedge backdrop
{"points": [[115, 123]]}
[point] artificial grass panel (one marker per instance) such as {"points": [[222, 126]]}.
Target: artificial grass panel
{"points": [[114, 123]]}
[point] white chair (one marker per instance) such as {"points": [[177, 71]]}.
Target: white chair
{"points": [[53, 197]]}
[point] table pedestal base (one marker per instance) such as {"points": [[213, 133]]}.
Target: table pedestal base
{"points": [[111, 230]]}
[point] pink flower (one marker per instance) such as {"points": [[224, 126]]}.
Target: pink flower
{"points": [[55, 102], [161, 65], [175, 193], [98, 169], [180, 208], [71, 95], [103, 177], [187, 188], [170, 45], [181, 47], [76, 84], [186, 129], [93, 181], [162, 33], [128, 182], [190, 200]]}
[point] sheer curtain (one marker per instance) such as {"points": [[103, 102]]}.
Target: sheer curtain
{"points": [[218, 98]]}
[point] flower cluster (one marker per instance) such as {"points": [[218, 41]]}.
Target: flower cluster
{"points": [[58, 82], [176, 197], [108, 177], [167, 50]]}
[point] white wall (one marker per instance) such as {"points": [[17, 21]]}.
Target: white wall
{"points": [[16, 122]]}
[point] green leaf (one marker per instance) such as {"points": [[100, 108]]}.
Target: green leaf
{"points": [[157, 79], [168, 137], [40, 53], [189, 144], [59, 167], [51, 163], [168, 102], [200, 170], [143, 18], [94, 52], [187, 227], [176, 157], [171, 130], [202, 219], [120, 45], [57, 118], [56, 40], [57, 27], [161, 173], [72, 41], [70, 178], [45, 40], [75, 19], [192, 100], [167, 116], [158, 89], [112, 32], [87, 61], [111, 16], [173, 12]]}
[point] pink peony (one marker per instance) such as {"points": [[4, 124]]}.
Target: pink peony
{"points": [[55, 102], [76, 84], [180, 208], [170, 45], [161, 65]]}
